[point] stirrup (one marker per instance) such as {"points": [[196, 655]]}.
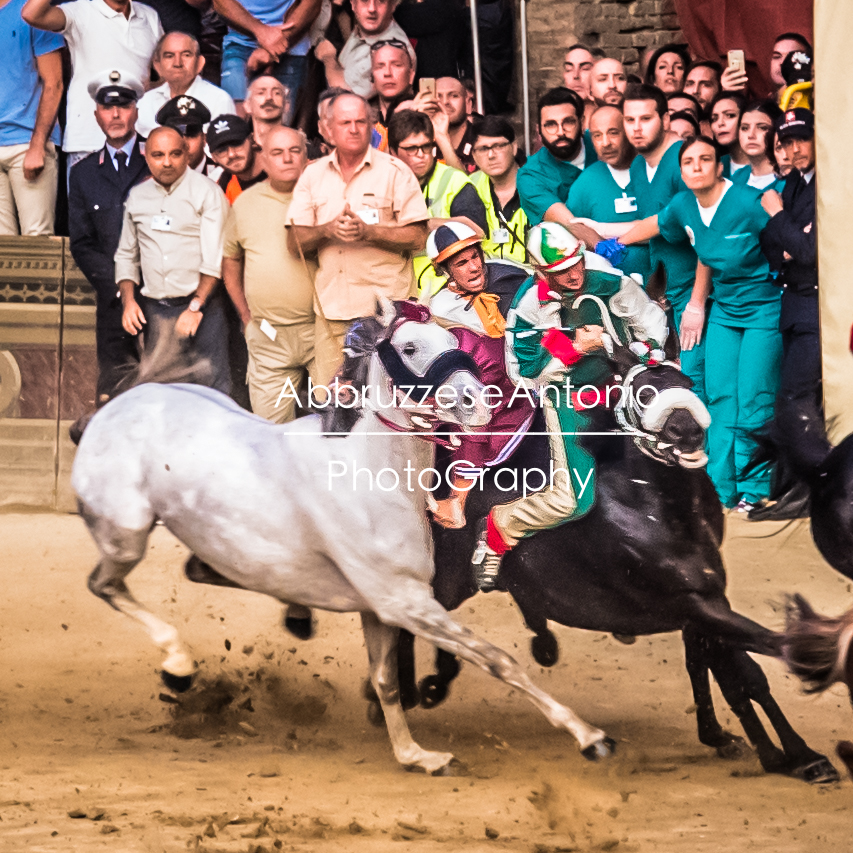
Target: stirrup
{"points": [[485, 562]]}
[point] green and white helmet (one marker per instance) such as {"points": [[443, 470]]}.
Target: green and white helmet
{"points": [[552, 247]]}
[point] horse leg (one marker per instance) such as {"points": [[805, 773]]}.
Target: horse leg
{"points": [[711, 733], [716, 618], [743, 681], [381, 641], [121, 550], [433, 623], [434, 687], [198, 571]]}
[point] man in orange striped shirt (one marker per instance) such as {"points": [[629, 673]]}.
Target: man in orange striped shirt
{"points": [[232, 147]]}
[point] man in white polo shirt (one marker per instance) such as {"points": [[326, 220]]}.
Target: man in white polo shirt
{"points": [[99, 34], [178, 62]]}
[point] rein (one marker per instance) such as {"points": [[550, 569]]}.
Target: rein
{"points": [[632, 421]]}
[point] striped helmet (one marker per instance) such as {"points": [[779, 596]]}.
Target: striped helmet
{"points": [[448, 239], [552, 247]]}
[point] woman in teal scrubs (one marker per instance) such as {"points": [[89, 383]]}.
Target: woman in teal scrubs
{"points": [[743, 347], [725, 111], [755, 125]]}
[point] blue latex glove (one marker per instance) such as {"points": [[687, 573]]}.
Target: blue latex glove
{"points": [[611, 250]]}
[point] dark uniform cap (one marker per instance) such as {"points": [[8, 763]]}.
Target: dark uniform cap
{"points": [[183, 112], [115, 87], [227, 130], [795, 124], [797, 66]]}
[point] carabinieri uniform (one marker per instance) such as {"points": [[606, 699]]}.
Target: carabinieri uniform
{"points": [[743, 346]]}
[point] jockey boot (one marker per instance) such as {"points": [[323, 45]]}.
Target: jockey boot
{"points": [[486, 562]]}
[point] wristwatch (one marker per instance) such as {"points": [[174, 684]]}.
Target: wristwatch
{"points": [[196, 306]]}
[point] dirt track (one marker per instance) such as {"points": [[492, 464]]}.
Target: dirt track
{"points": [[276, 753]]}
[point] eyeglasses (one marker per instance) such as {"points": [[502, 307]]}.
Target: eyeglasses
{"points": [[417, 149], [487, 150], [389, 43], [568, 123]]}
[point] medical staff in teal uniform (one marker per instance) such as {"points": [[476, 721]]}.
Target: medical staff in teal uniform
{"points": [[743, 344], [604, 193], [545, 179], [755, 123], [656, 180]]}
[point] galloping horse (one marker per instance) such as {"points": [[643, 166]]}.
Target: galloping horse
{"points": [[267, 508], [645, 560], [817, 648]]}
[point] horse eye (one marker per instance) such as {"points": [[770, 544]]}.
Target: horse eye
{"points": [[409, 349]]}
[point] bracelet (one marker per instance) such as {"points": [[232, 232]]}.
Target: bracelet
{"points": [[692, 309]]}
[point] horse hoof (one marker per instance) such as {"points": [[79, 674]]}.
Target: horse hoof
{"points": [[544, 648], [599, 750], [176, 683], [735, 749], [410, 698], [433, 691], [454, 768], [844, 750], [302, 629], [375, 715], [820, 772], [626, 639]]}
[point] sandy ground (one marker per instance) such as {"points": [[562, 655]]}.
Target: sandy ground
{"points": [[276, 754]]}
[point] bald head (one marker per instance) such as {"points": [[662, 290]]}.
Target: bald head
{"points": [[607, 131], [284, 157], [166, 155]]}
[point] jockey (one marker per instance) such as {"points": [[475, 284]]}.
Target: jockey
{"points": [[473, 304], [559, 327]]}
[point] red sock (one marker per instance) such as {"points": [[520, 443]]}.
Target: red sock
{"points": [[493, 537]]}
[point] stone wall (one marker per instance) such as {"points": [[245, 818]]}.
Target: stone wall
{"points": [[621, 28]]}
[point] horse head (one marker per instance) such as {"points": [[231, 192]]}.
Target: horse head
{"points": [[657, 408], [417, 378]]}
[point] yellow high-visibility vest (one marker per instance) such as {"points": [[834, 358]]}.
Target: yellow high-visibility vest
{"points": [[514, 247], [444, 185]]}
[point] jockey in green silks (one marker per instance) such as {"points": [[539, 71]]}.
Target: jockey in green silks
{"points": [[558, 328]]}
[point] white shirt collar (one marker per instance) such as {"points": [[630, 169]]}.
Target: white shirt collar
{"points": [[809, 175], [127, 148]]}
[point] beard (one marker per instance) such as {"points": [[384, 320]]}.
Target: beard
{"points": [[564, 148]]}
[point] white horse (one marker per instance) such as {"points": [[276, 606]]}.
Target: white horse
{"points": [[267, 508]]}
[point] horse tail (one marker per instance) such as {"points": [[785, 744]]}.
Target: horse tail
{"points": [[795, 441], [810, 644], [170, 360]]}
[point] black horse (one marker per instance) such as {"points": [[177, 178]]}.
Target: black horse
{"points": [[796, 442], [644, 560]]}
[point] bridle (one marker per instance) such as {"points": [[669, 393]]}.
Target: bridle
{"points": [[423, 387], [644, 424]]}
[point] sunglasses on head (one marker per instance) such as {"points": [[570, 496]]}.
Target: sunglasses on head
{"points": [[389, 43]]}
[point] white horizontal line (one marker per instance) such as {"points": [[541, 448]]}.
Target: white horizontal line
{"points": [[459, 434]]}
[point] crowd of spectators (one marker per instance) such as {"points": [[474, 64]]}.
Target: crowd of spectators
{"points": [[305, 161]]}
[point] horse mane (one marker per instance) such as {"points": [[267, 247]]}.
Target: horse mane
{"points": [[810, 645]]}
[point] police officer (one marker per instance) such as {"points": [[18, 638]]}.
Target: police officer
{"points": [[789, 241], [99, 184], [448, 192], [188, 116]]}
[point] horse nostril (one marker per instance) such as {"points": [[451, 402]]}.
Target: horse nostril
{"points": [[682, 429]]}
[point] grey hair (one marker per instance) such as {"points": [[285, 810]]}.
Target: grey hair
{"points": [[158, 48]]}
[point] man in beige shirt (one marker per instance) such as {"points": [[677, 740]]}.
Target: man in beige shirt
{"points": [[171, 244], [364, 214], [272, 291]]}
